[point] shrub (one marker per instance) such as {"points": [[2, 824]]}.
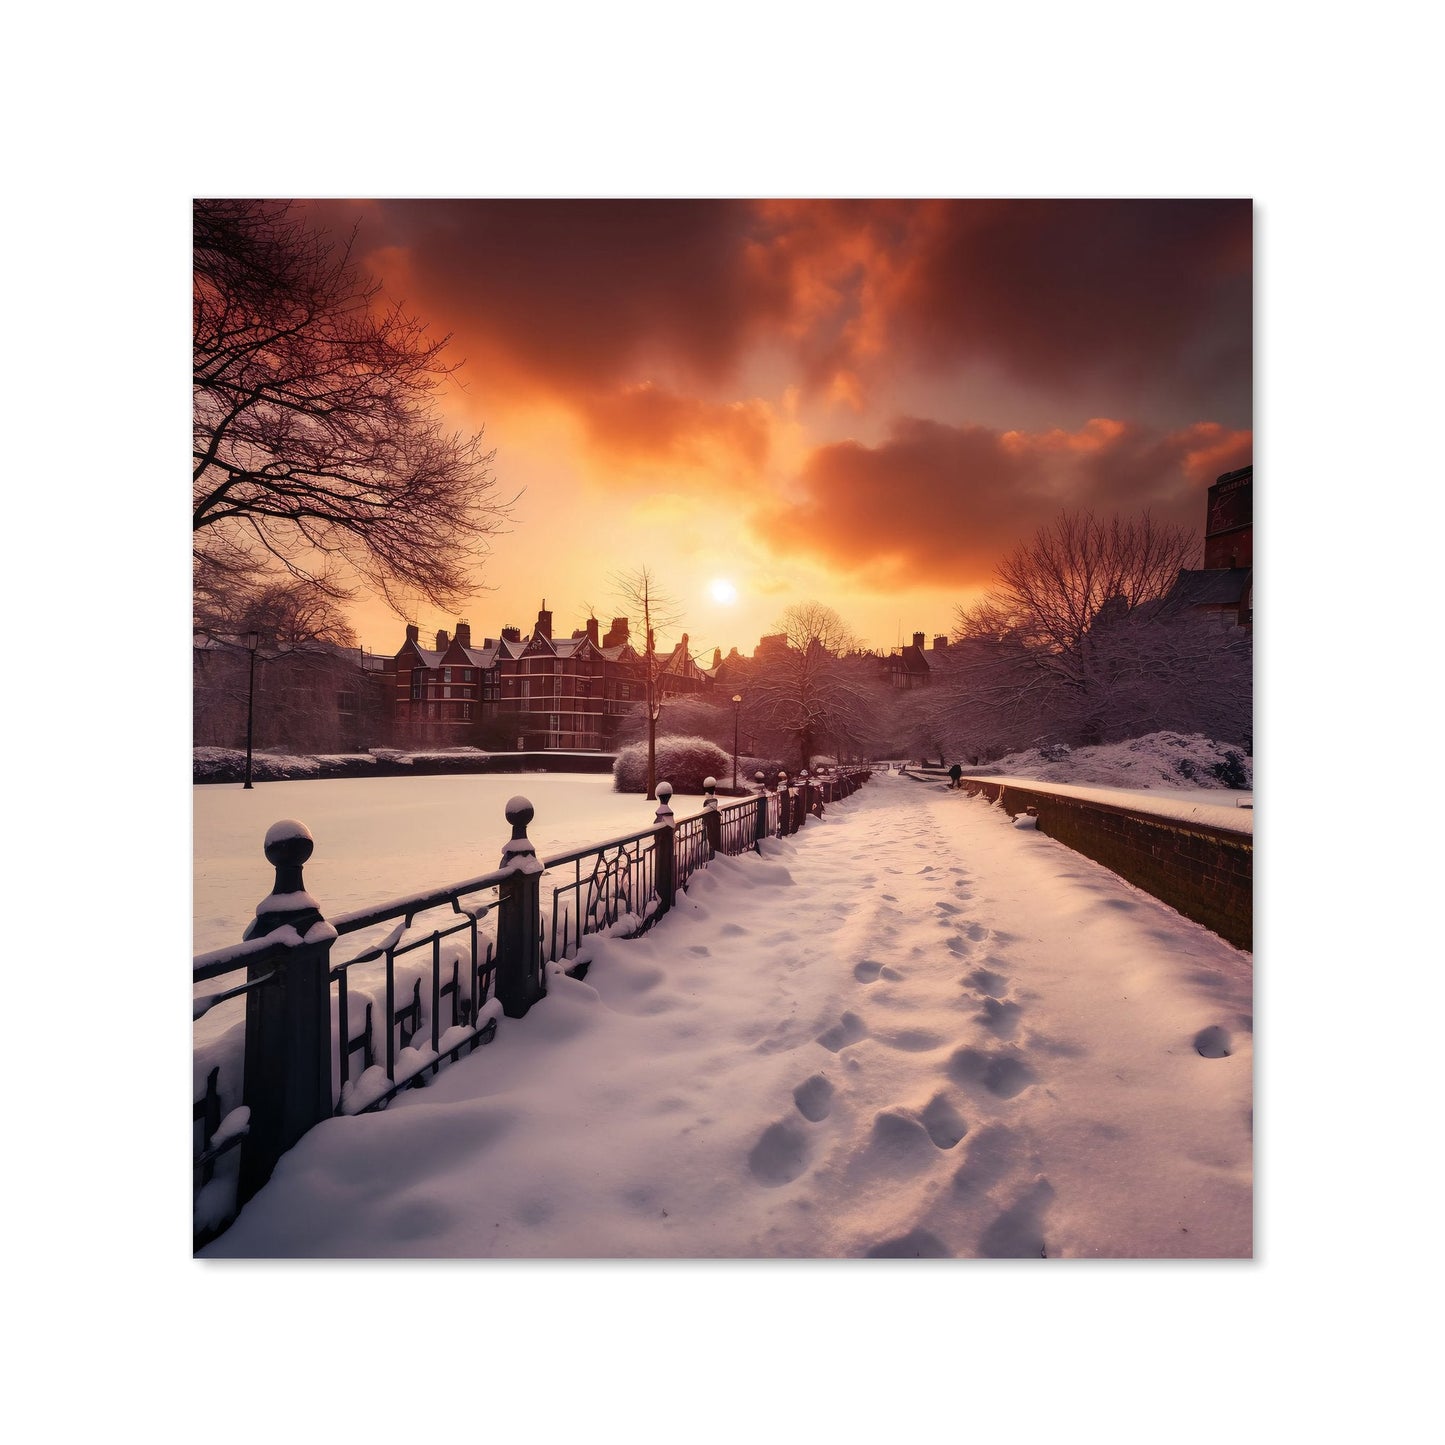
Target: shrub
{"points": [[1231, 771], [682, 761]]}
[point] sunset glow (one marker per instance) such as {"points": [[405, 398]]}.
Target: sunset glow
{"points": [[863, 403]]}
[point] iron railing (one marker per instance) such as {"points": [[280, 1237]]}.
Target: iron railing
{"points": [[430, 987]]}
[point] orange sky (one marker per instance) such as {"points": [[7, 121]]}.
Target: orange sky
{"points": [[862, 403]]}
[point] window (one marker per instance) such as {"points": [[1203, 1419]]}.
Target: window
{"points": [[467, 675], [447, 676], [466, 712], [552, 723], [418, 680]]}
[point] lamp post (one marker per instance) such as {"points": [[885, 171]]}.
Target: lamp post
{"points": [[737, 707], [252, 638]]}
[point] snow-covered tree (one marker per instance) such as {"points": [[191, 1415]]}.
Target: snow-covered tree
{"points": [[1075, 643], [816, 690]]}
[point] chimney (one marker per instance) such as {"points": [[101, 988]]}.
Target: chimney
{"points": [[443, 641], [511, 634], [464, 634], [544, 622], [592, 631], [685, 651], [616, 633], [918, 641], [413, 632], [717, 656], [939, 643]]}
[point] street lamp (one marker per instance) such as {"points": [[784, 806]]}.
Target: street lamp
{"points": [[737, 706], [252, 639]]}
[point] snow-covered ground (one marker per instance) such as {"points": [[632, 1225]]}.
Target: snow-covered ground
{"points": [[381, 838], [916, 1029]]}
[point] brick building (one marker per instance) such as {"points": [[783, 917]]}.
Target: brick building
{"points": [[529, 692], [910, 667], [1224, 587]]}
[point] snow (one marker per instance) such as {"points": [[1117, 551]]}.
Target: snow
{"points": [[1187, 808], [1162, 759], [1165, 774], [911, 1031], [381, 838], [285, 829]]}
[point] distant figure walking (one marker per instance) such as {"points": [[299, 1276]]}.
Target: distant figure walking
{"points": [[954, 774]]}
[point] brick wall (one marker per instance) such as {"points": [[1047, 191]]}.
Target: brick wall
{"points": [[1206, 873]]}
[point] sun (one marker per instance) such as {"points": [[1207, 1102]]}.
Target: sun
{"points": [[722, 590]]}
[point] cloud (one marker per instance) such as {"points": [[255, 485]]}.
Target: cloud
{"points": [[639, 430], [940, 504], [562, 297]]}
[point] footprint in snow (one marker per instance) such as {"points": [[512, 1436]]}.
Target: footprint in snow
{"points": [[732, 930], [916, 1244], [899, 1144], [945, 908], [957, 945], [814, 1098], [1018, 1233], [1213, 1042], [867, 970], [999, 1018], [991, 1152], [848, 1030], [893, 975], [945, 1125], [977, 932], [889, 897], [780, 1155], [1002, 1072], [700, 950], [986, 981]]}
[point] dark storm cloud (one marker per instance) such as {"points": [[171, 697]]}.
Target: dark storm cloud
{"points": [[574, 294], [1055, 295], [937, 504], [1057, 292]]}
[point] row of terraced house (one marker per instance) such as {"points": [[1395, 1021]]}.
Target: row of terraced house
{"points": [[537, 691]]}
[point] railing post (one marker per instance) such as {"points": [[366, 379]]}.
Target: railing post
{"points": [[664, 841], [711, 819], [761, 827], [519, 918], [784, 797], [807, 797], [287, 1085]]}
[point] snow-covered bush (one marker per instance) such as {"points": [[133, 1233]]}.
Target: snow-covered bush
{"points": [[682, 761], [228, 765]]}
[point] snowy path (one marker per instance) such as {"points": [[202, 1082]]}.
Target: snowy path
{"points": [[913, 1030]]}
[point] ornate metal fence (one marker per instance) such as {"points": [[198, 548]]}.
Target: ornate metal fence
{"points": [[433, 973]]}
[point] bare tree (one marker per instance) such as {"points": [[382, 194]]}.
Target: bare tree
{"points": [[813, 689], [1075, 643], [318, 447], [639, 592], [307, 660]]}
